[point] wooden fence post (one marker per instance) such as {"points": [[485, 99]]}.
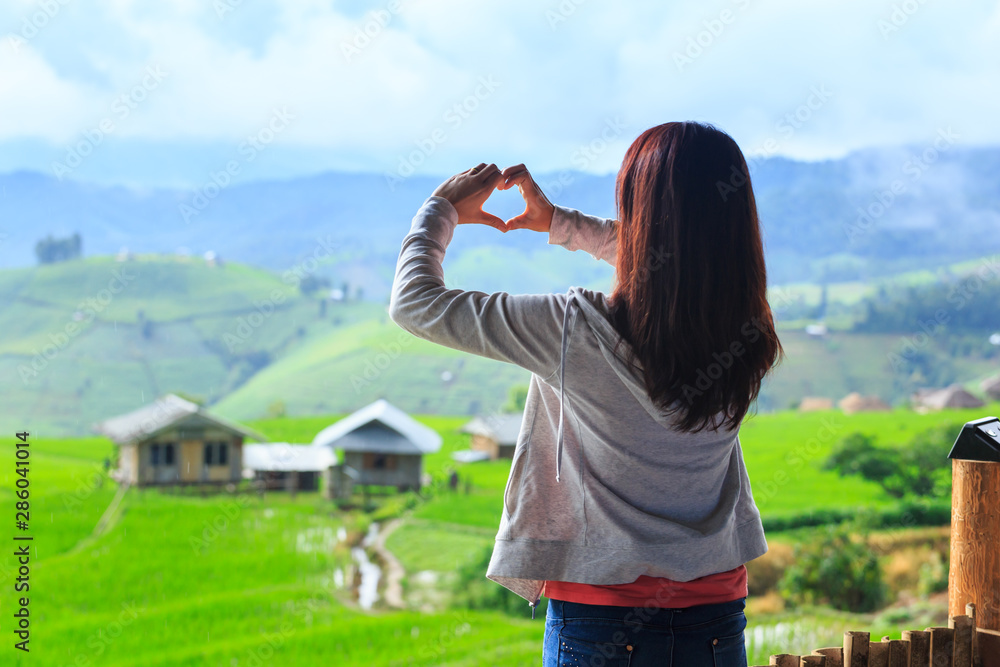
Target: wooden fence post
{"points": [[856, 646], [897, 651], [942, 647], [834, 655], [878, 654], [962, 625], [974, 572], [920, 647]]}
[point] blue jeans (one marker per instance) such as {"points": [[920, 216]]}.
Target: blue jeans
{"points": [[586, 635]]}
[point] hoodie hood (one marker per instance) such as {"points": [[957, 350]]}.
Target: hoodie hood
{"points": [[579, 302]]}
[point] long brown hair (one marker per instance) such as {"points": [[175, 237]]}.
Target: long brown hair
{"points": [[691, 285]]}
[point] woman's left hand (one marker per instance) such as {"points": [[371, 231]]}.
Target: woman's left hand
{"points": [[469, 190]]}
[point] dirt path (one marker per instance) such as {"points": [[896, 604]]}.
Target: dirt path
{"points": [[394, 572]]}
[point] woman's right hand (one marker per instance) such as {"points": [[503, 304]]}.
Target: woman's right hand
{"points": [[538, 209]]}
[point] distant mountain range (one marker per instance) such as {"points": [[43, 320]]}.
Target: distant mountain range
{"points": [[873, 212]]}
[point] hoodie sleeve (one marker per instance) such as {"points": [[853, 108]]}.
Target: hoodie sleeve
{"points": [[521, 329], [574, 230]]}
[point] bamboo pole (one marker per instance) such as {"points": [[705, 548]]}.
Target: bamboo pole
{"points": [[813, 661], [878, 654], [942, 647], [834, 655], [974, 573], [970, 611], [785, 660], [962, 625], [898, 652], [856, 649], [920, 647]]}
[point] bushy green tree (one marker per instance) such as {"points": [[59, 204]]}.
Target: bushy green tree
{"points": [[857, 454], [51, 250], [917, 469], [839, 570]]}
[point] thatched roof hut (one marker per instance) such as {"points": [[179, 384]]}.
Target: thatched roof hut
{"points": [[991, 387], [855, 402], [815, 404], [954, 396]]}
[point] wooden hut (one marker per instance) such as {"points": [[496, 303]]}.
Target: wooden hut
{"points": [[954, 396], [382, 446], [855, 402], [280, 465], [174, 441], [991, 387], [495, 435], [815, 404]]}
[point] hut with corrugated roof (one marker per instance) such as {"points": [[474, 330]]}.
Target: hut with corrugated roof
{"points": [[291, 467], [175, 441], [495, 435], [382, 446]]}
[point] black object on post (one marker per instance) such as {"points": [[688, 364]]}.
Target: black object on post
{"points": [[978, 441]]}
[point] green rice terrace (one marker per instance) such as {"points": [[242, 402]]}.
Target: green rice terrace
{"points": [[234, 579]]}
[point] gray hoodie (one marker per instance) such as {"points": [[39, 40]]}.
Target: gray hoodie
{"points": [[602, 487]]}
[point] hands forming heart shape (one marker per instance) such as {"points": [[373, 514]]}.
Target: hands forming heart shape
{"points": [[469, 190]]}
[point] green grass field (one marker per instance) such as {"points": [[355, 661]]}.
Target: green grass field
{"points": [[227, 580]]}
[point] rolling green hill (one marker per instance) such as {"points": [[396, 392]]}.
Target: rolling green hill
{"points": [[86, 340], [90, 339], [356, 365]]}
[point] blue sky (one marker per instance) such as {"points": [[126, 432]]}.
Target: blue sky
{"points": [[165, 93]]}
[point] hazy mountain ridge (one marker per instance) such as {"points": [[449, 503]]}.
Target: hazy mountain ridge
{"points": [[831, 219]]}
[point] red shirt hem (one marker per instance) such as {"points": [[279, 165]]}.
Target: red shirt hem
{"points": [[655, 591]]}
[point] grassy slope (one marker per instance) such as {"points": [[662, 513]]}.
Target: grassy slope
{"points": [[375, 359], [851, 292], [106, 366], [319, 365], [844, 362], [200, 345]]}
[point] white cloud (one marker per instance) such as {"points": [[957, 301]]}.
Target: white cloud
{"points": [[564, 68], [34, 100]]}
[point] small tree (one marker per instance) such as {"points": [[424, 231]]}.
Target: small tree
{"points": [[857, 454], [50, 250], [839, 570]]}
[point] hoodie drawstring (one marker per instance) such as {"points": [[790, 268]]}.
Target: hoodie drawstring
{"points": [[562, 381]]}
